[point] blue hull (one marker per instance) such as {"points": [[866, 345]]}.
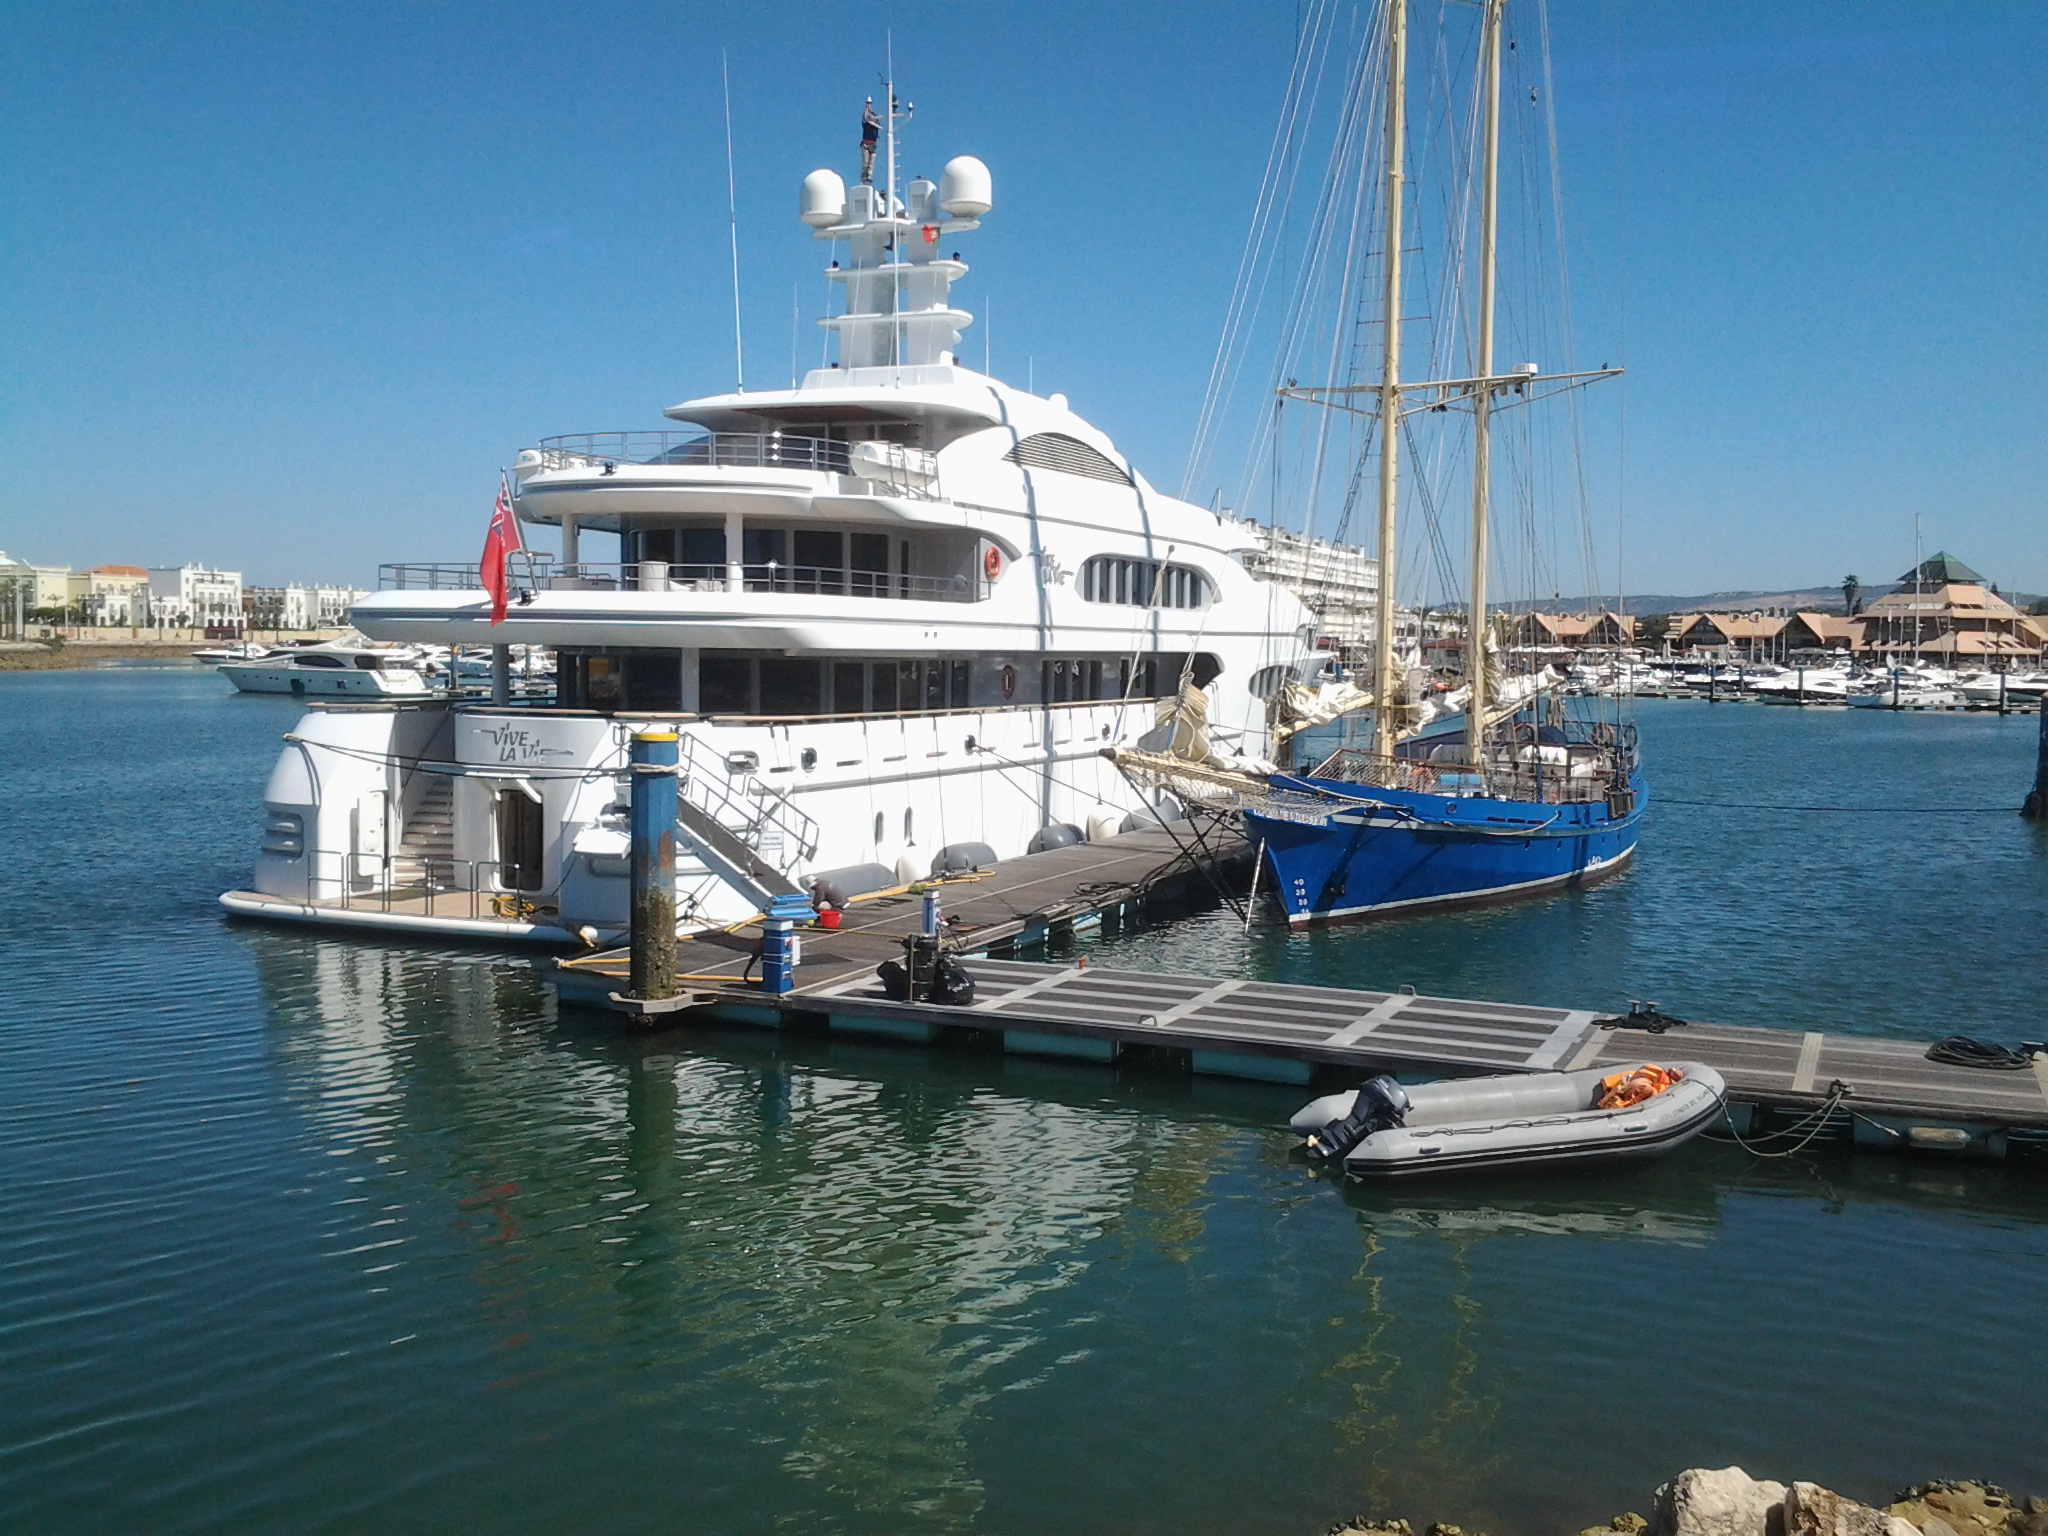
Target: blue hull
{"points": [[1369, 850]]}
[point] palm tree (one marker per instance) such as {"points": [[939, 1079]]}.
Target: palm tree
{"points": [[1851, 590]]}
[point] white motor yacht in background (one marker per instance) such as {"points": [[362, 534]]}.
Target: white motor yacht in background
{"points": [[2014, 689], [1807, 685], [527, 663], [336, 669], [214, 655], [895, 614]]}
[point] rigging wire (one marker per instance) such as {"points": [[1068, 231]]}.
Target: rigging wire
{"points": [[1847, 810]]}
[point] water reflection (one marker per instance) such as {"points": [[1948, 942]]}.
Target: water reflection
{"points": [[856, 1254], [866, 1284], [302, 1233]]}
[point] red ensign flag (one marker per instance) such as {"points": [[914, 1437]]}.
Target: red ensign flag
{"points": [[501, 541]]}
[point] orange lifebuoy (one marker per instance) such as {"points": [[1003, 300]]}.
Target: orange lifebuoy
{"points": [[992, 563]]}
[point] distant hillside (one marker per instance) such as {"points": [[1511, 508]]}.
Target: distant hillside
{"points": [[1645, 604]]}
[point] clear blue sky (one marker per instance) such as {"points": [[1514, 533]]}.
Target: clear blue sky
{"points": [[282, 286]]}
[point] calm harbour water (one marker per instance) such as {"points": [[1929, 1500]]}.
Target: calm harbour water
{"points": [[306, 1233]]}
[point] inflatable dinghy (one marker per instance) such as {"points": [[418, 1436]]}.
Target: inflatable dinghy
{"points": [[1522, 1120]]}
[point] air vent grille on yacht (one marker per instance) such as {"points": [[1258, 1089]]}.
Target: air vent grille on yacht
{"points": [[1068, 455]]}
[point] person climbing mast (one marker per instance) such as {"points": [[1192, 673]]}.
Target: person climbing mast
{"points": [[870, 133]]}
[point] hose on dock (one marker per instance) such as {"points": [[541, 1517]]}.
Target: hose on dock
{"points": [[1964, 1051]]}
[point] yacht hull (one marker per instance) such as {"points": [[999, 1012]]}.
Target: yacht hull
{"points": [[1407, 850], [503, 822], [307, 683]]}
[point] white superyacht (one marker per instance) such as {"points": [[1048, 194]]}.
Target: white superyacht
{"points": [[895, 614]]}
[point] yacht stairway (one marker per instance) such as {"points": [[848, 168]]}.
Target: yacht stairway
{"points": [[429, 831], [747, 845]]}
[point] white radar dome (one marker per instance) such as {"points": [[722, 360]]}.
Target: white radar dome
{"points": [[823, 200], [964, 188]]}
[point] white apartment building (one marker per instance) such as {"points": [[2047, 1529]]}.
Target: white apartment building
{"points": [[194, 596], [300, 607], [1338, 583], [328, 607]]}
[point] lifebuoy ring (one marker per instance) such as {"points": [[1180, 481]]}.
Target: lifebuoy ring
{"points": [[1009, 675], [992, 563]]}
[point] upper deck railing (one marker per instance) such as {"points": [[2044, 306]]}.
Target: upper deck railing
{"points": [[661, 576], [891, 467]]}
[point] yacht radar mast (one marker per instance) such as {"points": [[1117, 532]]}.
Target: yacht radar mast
{"points": [[898, 318]]}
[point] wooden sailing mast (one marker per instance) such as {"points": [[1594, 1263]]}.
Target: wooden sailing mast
{"points": [[1482, 400], [1384, 730], [1391, 398]]}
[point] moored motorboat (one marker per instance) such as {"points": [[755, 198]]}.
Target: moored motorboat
{"points": [[345, 668], [217, 654], [1523, 1120]]}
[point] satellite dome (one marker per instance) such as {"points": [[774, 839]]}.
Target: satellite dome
{"points": [[823, 200], [964, 190]]}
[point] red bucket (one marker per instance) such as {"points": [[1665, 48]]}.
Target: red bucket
{"points": [[829, 918]]}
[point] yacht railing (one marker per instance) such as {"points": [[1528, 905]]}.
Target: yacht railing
{"points": [[663, 576], [730, 791], [1586, 775], [453, 576], [894, 468], [416, 885]]}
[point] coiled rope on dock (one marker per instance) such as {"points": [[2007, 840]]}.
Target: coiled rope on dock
{"points": [[1965, 1051]]}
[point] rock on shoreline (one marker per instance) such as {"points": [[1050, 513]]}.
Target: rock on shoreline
{"points": [[1727, 1501]]}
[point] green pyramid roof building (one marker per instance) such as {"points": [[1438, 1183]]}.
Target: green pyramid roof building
{"points": [[1939, 570]]}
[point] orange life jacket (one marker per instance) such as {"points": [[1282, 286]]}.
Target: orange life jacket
{"points": [[1622, 1090]]}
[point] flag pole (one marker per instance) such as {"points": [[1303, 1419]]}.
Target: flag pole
{"points": [[532, 581]]}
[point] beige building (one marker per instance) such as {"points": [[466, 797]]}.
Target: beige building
{"points": [[55, 588], [116, 594], [1574, 631], [1943, 611]]}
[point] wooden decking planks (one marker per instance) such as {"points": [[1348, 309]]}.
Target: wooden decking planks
{"points": [[1891, 1077], [1017, 899], [1330, 1025], [1347, 1031]]}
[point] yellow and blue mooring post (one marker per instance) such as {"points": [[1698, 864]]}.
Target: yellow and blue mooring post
{"points": [[652, 973]]}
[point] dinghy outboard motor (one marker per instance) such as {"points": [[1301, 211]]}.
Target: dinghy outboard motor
{"points": [[1380, 1105]]}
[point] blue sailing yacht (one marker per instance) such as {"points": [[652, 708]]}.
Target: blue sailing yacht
{"points": [[1359, 834], [1520, 799]]}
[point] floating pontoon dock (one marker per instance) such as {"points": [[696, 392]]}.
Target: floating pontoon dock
{"points": [[1837, 1087]]}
